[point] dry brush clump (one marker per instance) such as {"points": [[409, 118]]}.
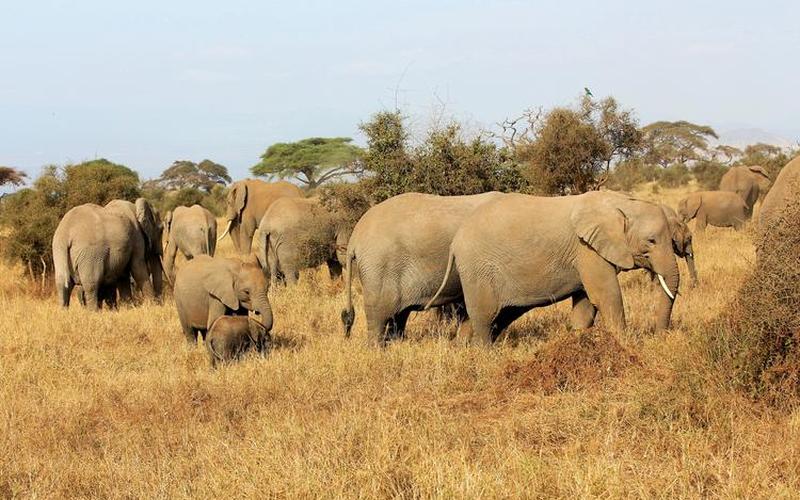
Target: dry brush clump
{"points": [[759, 338]]}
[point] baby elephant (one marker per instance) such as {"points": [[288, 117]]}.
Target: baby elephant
{"points": [[231, 336]]}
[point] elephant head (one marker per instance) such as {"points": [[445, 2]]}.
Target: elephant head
{"points": [[631, 234], [235, 205], [241, 284], [762, 177], [689, 206], [152, 229]]}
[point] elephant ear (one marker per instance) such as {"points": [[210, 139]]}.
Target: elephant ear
{"points": [[602, 227], [219, 284], [757, 169], [240, 198], [690, 205]]}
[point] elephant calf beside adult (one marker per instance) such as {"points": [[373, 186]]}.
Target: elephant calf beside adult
{"points": [[398, 249], [681, 241], [193, 231], [718, 208], [209, 287], [299, 233], [100, 248], [520, 252], [247, 202]]}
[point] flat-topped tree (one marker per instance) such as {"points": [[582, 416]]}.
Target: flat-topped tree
{"points": [[12, 176], [311, 161], [183, 174]]}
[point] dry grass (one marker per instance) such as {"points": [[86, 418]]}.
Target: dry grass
{"points": [[116, 405]]}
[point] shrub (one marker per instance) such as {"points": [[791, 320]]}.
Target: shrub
{"points": [[758, 339], [629, 174], [676, 175], [708, 173]]}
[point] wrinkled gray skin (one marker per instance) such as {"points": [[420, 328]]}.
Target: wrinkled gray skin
{"points": [[247, 202], [681, 242], [284, 231], [398, 249], [209, 287], [520, 252], [718, 208], [786, 189], [230, 337], [193, 231], [100, 248], [749, 182]]}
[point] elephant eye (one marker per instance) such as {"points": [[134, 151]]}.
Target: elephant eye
{"points": [[652, 241]]}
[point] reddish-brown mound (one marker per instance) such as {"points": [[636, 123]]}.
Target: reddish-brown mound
{"points": [[573, 360]]}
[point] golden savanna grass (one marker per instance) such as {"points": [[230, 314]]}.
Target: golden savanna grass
{"points": [[115, 404]]}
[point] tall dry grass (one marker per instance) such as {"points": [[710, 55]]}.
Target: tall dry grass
{"points": [[115, 404]]}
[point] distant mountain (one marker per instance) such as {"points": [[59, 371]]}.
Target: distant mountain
{"points": [[742, 137]]}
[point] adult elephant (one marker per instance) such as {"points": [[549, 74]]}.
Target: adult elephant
{"points": [[99, 248], [247, 202], [399, 250], [209, 287], [681, 241], [718, 208], [296, 234], [520, 252], [749, 182], [786, 188], [193, 231]]}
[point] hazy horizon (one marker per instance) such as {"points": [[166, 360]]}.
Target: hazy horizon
{"points": [[145, 84]]}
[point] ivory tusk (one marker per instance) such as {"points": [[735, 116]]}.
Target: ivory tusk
{"points": [[227, 228], [665, 287]]}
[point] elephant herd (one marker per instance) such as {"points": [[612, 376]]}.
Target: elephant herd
{"points": [[494, 256]]}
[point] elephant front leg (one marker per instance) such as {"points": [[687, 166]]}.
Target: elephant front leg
{"points": [[599, 278]]}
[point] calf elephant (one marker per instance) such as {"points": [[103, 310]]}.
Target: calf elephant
{"points": [[229, 337], [296, 234], [786, 188], [193, 231], [718, 208], [519, 252], [681, 241], [399, 249], [748, 182], [99, 248], [209, 287], [247, 202]]}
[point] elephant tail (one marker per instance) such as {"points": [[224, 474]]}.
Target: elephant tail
{"points": [[348, 313], [450, 260]]}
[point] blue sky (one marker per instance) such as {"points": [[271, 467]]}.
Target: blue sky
{"points": [[144, 83]]}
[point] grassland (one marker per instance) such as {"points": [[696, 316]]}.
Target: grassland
{"points": [[116, 405]]}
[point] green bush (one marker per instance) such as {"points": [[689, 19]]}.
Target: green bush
{"points": [[631, 173], [676, 175], [708, 173]]}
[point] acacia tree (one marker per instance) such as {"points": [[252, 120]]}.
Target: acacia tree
{"points": [[185, 174], [311, 161], [12, 176], [667, 143]]}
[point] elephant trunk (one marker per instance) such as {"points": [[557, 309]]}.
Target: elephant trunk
{"points": [[262, 306], [666, 268], [690, 264]]}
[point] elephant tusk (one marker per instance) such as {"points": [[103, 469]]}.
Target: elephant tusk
{"points": [[665, 287], [227, 228]]}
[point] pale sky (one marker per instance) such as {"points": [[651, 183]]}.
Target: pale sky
{"points": [[146, 82]]}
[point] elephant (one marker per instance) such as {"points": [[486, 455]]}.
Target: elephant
{"points": [[296, 234], [247, 202], [399, 249], [520, 251], [229, 337], [785, 189], [99, 248], [749, 182], [209, 287], [718, 208], [193, 231], [681, 241]]}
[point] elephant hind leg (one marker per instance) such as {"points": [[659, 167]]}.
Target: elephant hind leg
{"points": [[505, 317], [65, 291], [397, 325], [583, 311]]}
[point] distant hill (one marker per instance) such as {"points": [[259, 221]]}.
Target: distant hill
{"points": [[742, 137]]}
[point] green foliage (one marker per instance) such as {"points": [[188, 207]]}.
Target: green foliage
{"points": [[30, 216], [312, 161], [627, 175], [725, 154], [185, 174], [387, 157], [348, 200], [772, 158], [165, 201], [708, 173], [676, 175], [11, 176], [676, 142]]}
